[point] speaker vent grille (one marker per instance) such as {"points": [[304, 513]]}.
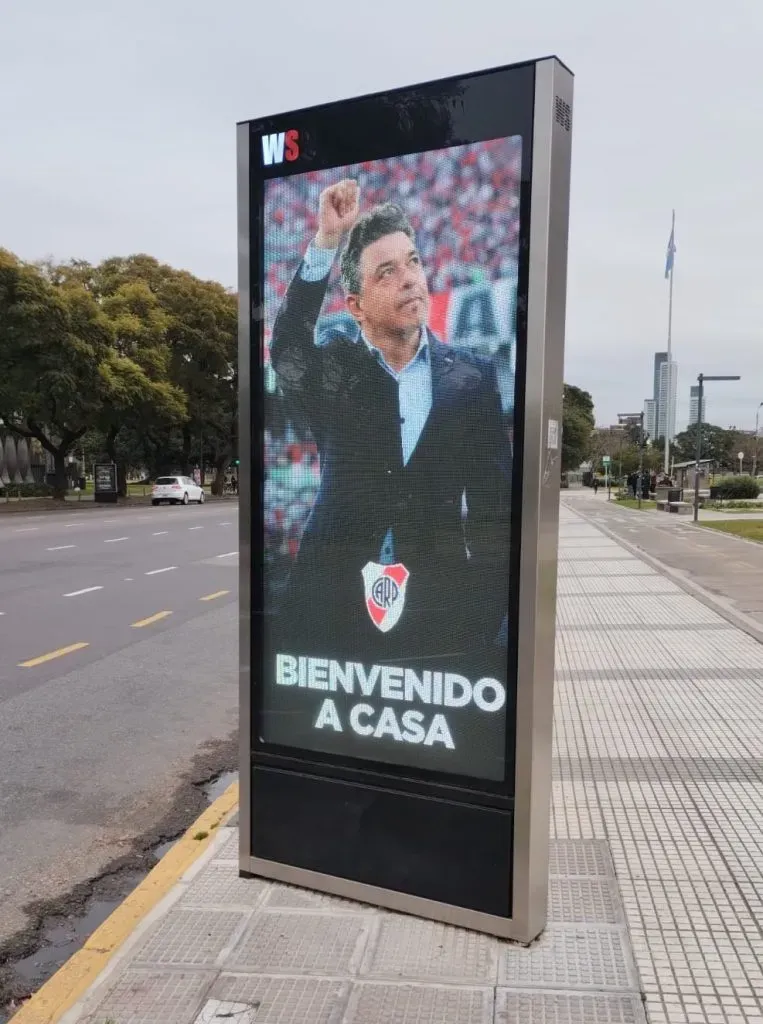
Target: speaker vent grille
{"points": [[562, 113]]}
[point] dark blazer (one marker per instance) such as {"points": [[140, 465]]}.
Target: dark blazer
{"points": [[457, 590]]}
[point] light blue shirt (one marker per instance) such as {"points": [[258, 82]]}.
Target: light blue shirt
{"points": [[414, 381]]}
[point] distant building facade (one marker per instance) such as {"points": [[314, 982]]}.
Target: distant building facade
{"points": [[694, 405]]}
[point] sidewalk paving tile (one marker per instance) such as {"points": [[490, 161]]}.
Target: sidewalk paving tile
{"points": [[219, 888], [286, 1000], [374, 1002], [656, 856], [149, 995], [289, 897], [285, 943], [514, 1007], [410, 947], [191, 938], [571, 958]]}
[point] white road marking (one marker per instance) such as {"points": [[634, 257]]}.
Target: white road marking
{"points": [[195, 527], [87, 590], [61, 547], [115, 540], [70, 526], [26, 529], [128, 579], [153, 572], [223, 524], [159, 533], [228, 554]]}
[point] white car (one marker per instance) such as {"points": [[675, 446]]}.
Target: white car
{"points": [[176, 490]]}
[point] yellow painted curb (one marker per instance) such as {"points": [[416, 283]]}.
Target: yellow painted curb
{"points": [[78, 974]]}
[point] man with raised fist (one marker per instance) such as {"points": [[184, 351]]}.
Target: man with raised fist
{"points": [[406, 552]]}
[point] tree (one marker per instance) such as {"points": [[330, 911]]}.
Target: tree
{"points": [[198, 322], [718, 445], [73, 363], [577, 427], [203, 335]]}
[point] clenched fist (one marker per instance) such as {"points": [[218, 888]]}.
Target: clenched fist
{"points": [[337, 212]]}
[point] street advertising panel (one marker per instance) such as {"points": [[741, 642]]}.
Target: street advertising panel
{"points": [[402, 273], [105, 481]]}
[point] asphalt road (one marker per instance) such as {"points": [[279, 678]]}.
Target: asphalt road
{"points": [[118, 676]]}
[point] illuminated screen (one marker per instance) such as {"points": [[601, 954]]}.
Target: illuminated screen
{"points": [[390, 312]]}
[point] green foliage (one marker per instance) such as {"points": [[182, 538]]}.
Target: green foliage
{"points": [[577, 427], [735, 487], [130, 360], [719, 445], [25, 491]]}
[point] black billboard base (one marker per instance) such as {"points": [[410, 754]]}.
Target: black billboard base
{"points": [[385, 839]]}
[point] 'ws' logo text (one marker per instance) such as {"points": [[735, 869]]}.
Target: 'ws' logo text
{"points": [[280, 147]]}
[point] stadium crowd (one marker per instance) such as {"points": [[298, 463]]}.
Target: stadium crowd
{"points": [[292, 476], [460, 201], [463, 204]]}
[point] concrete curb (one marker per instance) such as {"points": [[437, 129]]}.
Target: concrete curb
{"points": [[718, 604], [81, 971]]}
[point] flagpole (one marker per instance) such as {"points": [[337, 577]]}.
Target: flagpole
{"points": [[669, 402]]}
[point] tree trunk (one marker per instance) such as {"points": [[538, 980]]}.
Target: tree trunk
{"points": [[60, 483], [221, 465]]}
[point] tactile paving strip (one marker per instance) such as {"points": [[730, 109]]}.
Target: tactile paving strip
{"points": [[580, 857], [191, 937], [378, 1003], [584, 901], [286, 1000], [570, 958], [284, 943], [566, 1008], [150, 996], [605, 567], [219, 886], [631, 609], [600, 587], [411, 948]]}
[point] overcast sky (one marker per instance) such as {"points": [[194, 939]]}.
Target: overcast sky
{"points": [[117, 136]]}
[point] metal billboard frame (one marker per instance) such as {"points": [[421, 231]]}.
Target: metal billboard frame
{"points": [[547, 285]]}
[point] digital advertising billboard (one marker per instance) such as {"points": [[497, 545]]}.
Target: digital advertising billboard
{"points": [[401, 342]]}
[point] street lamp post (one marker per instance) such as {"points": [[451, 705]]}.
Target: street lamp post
{"points": [[701, 378], [755, 443], [740, 456]]}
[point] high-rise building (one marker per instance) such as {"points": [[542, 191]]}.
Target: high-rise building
{"points": [[694, 405], [650, 417], [660, 358], [667, 394]]}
